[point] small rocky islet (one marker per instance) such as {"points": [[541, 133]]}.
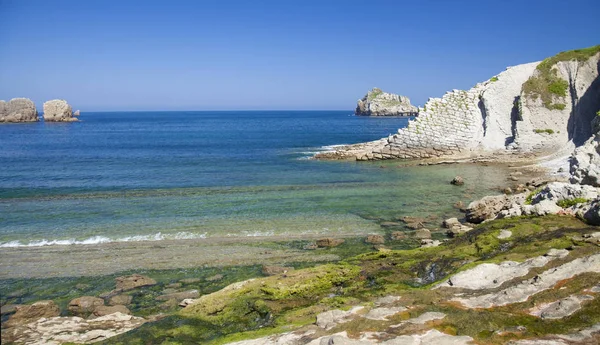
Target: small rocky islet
{"points": [[522, 267], [22, 110]]}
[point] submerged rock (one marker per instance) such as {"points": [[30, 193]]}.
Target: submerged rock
{"points": [[423, 234], [107, 310], [179, 296], [329, 242], [133, 281], [271, 270], [58, 110], [375, 239], [18, 110]]}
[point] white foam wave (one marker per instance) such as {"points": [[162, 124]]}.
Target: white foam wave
{"points": [[102, 239], [314, 150]]}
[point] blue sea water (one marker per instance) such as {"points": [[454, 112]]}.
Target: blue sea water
{"points": [[124, 176]]}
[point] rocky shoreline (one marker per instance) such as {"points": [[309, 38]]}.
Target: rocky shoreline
{"points": [[531, 108], [521, 268]]}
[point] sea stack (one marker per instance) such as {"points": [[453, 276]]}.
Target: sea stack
{"points": [[379, 103], [18, 110], [58, 110]]}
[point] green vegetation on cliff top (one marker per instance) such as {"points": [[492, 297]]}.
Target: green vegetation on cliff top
{"points": [[288, 301], [547, 85]]}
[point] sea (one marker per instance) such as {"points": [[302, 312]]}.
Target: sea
{"points": [[152, 176]]}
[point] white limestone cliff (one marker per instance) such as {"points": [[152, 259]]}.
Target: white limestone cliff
{"points": [[511, 112]]}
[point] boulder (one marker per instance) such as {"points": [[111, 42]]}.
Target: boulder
{"points": [[107, 310], [375, 239], [457, 181], [28, 313], [18, 110], [58, 110], [329, 242], [271, 270], [379, 103], [592, 215], [214, 278], [120, 300], [450, 223], [454, 227], [85, 305], [133, 281], [413, 222], [486, 208]]}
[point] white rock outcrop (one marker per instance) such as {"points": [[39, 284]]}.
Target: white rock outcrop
{"points": [[58, 330], [379, 103], [18, 110], [58, 110]]}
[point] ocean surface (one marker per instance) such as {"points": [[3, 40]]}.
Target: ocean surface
{"points": [[127, 176]]}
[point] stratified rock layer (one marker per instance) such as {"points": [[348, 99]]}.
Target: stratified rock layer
{"points": [[18, 110], [495, 115], [379, 103], [58, 110]]}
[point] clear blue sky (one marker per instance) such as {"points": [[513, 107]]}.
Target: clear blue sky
{"points": [[304, 54]]}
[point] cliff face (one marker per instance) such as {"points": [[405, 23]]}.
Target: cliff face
{"points": [[536, 107], [58, 110], [18, 110], [379, 103]]}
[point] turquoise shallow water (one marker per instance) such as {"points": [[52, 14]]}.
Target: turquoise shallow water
{"points": [[165, 175]]}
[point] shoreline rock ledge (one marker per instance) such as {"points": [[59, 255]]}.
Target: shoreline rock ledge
{"points": [[379, 103], [58, 110], [18, 110]]}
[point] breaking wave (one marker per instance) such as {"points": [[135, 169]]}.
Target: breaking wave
{"points": [[102, 239]]}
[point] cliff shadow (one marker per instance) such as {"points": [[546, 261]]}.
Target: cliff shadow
{"points": [[584, 110], [515, 115]]}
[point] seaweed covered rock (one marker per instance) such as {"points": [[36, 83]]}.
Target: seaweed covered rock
{"points": [[18, 110], [58, 110], [253, 303]]}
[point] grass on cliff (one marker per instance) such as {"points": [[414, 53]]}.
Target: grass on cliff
{"points": [[374, 93], [547, 85], [547, 130], [286, 302]]}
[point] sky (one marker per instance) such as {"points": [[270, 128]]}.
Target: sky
{"points": [[109, 55]]}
